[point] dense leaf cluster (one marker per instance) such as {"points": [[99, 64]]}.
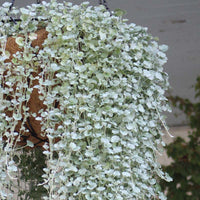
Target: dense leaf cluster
{"points": [[30, 164], [185, 154], [108, 78]]}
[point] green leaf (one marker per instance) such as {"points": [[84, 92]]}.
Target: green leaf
{"points": [[119, 12], [20, 41]]}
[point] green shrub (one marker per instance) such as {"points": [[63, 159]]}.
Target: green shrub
{"points": [[185, 168]]}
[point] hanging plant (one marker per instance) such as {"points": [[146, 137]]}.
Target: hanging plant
{"points": [[88, 88]]}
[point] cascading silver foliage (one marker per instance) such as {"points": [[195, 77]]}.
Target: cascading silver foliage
{"points": [[107, 76]]}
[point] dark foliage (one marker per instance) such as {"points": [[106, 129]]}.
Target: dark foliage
{"points": [[31, 164], [185, 169]]}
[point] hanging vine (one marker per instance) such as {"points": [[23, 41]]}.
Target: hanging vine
{"points": [[88, 88]]}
